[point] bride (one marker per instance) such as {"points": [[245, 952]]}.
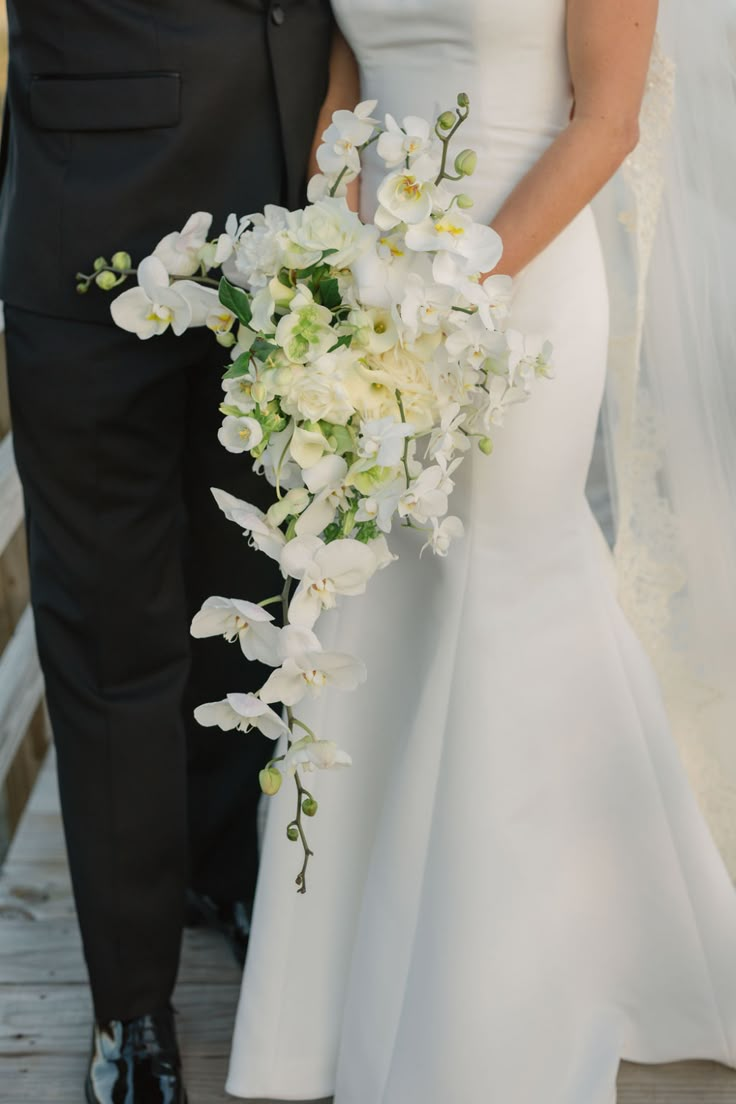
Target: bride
{"points": [[515, 887]]}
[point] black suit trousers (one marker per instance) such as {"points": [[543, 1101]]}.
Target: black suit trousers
{"points": [[116, 445]]}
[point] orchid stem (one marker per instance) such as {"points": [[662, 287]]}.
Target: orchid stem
{"points": [[405, 457], [301, 792], [304, 727]]}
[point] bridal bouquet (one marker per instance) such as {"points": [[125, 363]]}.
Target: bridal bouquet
{"points": [[366, 358]]}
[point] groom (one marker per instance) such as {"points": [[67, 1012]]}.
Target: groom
{"points": [[121, 120]]}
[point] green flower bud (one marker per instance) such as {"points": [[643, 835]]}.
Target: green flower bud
{"points": [[463, 100], [309, 807], [292, 833], [100, 263], [258, 391], [106, 280], [82, 288], [464, 202], [486, 446], [282, 295], [446, 120], [121, 261], [270, 780], [466, 162]]}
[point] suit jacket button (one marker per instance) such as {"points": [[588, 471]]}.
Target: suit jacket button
{"points": [[278, 15]]}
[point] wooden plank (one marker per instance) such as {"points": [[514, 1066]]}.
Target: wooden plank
{"points": [[11, 495], [55, 1020], [39, 839], [49, 952], [21, 689], [35, 892]]}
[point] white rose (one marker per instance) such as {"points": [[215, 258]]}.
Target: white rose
{"points": [[330, 224]]}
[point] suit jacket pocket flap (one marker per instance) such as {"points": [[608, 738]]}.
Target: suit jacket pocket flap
{"points": [[136, 101]]}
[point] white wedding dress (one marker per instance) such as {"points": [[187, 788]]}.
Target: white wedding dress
{"points": [[513, 887]]}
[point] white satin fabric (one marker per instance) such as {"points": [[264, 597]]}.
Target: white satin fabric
{"points": [[513, 887]]}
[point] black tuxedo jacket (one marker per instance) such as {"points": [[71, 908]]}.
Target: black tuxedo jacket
{"points": [[124, 116]]}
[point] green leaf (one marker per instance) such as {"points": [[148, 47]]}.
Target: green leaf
{"points": [[342, 342], [262, 349], [236, 300], [329, 293], [239, 367]]}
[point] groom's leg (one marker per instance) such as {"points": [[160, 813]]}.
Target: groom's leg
{"points": [[98, 422], [223, 767]]}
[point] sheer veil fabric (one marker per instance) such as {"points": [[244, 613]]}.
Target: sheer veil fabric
{"points": [[668, 226]]}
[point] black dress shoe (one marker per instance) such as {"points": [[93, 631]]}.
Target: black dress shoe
{"points": [[136, 1062], [231, 920]]}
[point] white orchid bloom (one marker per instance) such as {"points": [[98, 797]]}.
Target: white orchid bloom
{"points": [[411, 139], [220, 251], [308, 670], [448, 438], [275, 462], [407, 195], [381, 504], [424, 306], [341, 141], [473, 343], [371, 272], [382, 441], [443, 534], [242, 712], [180, 252], [426, 497], [240, 434], [262, 308], [463, 247], [493, 299], [263, 535], [310, 755], [326, 571], [327, 482], [380, 549], [207, 310], [236, 619], [528, 358], [149, 309]]}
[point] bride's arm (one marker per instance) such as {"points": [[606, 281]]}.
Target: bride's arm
{"points": [[343, 91], [609, 43]]}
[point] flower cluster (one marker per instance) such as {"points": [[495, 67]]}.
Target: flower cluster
{"points": [[366, 358]]}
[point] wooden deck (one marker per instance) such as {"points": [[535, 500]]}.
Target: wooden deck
{"points": [[45, 1011]]}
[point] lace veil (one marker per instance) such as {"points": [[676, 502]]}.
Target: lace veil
{"points": [[668, 226]]}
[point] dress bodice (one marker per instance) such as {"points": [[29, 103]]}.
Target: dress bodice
{"points": [[510, 57]]}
